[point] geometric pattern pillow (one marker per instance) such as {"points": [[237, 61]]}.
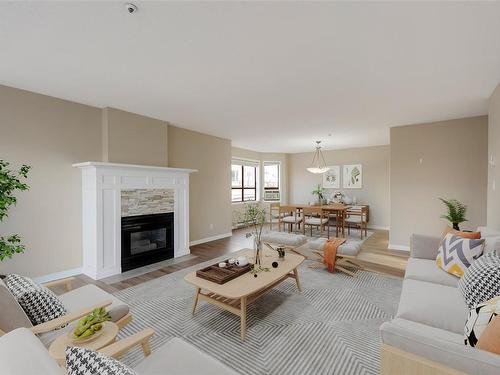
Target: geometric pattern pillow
{"points": [[481, 281], [81, 361], [39, 303], [456, 254], [479, 318]]}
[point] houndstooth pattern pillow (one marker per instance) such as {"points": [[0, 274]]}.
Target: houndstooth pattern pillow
{"points": [[19, 284], [39, 303], [481, 281], [81, 361]]}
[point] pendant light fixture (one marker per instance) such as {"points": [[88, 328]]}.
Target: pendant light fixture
{"points": [[318, 164]]}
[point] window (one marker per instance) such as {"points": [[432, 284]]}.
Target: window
{"points": [[243, 181], [271, 181], [271, 176]]}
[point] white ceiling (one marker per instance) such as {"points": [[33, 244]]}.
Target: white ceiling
{"points": [[271, 76]]}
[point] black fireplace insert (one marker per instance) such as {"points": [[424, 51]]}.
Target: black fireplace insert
{"points": [[147, 239]]}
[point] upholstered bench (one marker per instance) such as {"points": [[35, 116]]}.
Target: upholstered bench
{"points": [[346, 253], [283, 238]]}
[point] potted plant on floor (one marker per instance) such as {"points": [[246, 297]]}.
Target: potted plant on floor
{"points": [[456, 212], [10, 183]]}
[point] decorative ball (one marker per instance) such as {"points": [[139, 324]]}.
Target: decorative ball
{"points": [[275, 264], [254, 275]]}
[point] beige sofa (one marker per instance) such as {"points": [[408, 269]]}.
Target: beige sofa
{"points": [[427, 334]]}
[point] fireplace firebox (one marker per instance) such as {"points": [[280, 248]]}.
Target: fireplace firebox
{"points": [[147, 239]]}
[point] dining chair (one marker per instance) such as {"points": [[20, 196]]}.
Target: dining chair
{"points": [[274, 214], [357, 217], [289, 215], [316, 217]]}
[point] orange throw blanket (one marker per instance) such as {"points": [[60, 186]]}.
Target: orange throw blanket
{"points": [[330, 252]]}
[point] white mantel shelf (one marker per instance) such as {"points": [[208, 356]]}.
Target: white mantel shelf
{"points": [[102, 184], [132, 166]]}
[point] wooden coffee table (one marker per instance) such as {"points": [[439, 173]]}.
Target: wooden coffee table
{"points": [[58, 348], [235, 295]]}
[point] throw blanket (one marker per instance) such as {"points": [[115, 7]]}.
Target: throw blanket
{"points": [[330, 252]]}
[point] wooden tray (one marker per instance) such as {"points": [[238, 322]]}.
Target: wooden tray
{"points": [[220, 275]]}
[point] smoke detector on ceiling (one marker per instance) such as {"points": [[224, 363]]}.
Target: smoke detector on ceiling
{"points": [[131, 8]]}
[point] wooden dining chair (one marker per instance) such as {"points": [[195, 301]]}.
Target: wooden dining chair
{"points": [[316, 217], [357, 217], [274, 214], [289, 215]]}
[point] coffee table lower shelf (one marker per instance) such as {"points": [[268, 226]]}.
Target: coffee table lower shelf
{"points": [[239, 306]]}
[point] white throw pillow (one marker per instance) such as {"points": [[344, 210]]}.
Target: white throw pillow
{"points": [[479, 318]]}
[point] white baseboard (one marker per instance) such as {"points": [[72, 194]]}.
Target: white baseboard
{"points": [[376, 227], [399, 247], [209, 239], [58, 275]]}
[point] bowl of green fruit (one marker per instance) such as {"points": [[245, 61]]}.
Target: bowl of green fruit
{"points": [[89, 327]]}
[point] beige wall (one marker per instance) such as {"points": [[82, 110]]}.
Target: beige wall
{"points": [[494, 155], [375, 190], [442, 159], [49, 134], [237, 208], [133, 139], [210, 195]]}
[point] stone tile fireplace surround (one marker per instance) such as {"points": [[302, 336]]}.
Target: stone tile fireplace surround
{"points": [[112, 191]]}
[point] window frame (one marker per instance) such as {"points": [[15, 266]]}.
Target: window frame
{"points": [[271, 163], [242, 188], [278, 188]]}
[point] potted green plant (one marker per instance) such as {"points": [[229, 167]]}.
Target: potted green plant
{"points": [[320, 191], [10, 183], [456, 212]]}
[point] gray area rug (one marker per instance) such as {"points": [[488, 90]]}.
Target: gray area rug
{"points": [[329, 328]]}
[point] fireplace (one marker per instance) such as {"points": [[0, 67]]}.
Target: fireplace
{"points": [[147, 239]]}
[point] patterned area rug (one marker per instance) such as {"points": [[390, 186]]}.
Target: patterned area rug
{"points": [[329, 328]]}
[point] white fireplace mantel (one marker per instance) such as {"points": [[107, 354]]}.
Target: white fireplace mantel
{"points": [[102, 184]]}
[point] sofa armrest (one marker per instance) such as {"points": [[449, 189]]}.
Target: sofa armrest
{"points": [[121, 347], [424, 247], [66, 319]]}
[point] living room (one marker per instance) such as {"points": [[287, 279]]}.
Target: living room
{"points": [[320, 151]]}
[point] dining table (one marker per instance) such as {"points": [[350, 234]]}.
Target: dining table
{"points": [[337, 209]]}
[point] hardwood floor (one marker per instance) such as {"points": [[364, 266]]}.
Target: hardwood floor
{"points": [[375, 256]]}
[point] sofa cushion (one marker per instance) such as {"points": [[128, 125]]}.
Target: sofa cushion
{"points": [[456, 254], [433, 304], [440, 346], [81, 361], [479, 318], [12, 316], [350, 247], [481, 282], [283, 238], [21, 353], [89, 295], [487, 231], [426, 270], [178, 357], [469, 235], [490, 339]]}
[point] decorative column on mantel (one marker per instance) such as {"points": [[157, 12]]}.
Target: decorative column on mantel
{"points": [[102, 184]]}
